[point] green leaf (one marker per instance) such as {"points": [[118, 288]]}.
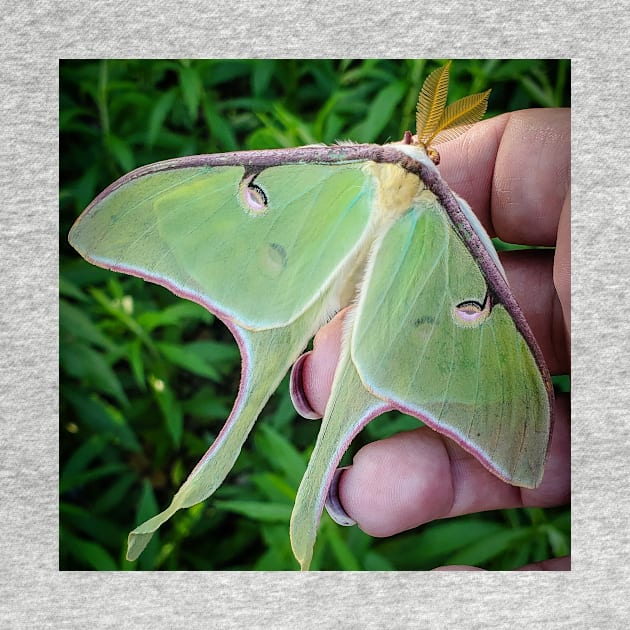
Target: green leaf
{"points": [[379, 113], [174, 315], [480, 552], [170, 408], [191, 89], [219, 354], [284, 414], [267, 512], [436, 542], [90, 367], [69, 289], [374, 561], [136, 361], [274, 487], [122, 153], [70, 482], [75, 323], [160, 111], [300, 131], [266, 138], [345, 557], [83, 456], [116, 308], [102, 529], [84, 188], [262, 75], [115, 494], [189, 358], [88, 553], [277, 450], [561, 382], [103, 420], [558, 541], [206, 404], [222, 135], [541, 94]]}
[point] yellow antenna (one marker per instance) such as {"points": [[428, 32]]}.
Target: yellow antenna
{"points": [[436, 123], [431, 102]]}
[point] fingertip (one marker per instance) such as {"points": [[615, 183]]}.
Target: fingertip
{"points": [[457, 567], [562, 263], [493, 166], [317, 368], [552, 564], [296, 390], [555, 488], [395, 484], [333, 504]]}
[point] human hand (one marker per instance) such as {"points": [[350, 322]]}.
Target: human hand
{"points": [[514, 171]]}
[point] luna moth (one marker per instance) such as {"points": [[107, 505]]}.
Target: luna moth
{"points": [[275, 242]]}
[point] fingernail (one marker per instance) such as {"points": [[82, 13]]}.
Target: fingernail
{"points": [[296, 389], [333, 504]]}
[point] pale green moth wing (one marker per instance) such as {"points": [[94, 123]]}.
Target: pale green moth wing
{"points": [[436, 333], [350, 407], [432, 339], [260, 243], [258, 248]]}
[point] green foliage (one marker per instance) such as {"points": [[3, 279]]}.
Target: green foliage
{"points": [[148, 379]]}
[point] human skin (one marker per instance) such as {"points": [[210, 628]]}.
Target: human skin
{"points": [[514, 171]]}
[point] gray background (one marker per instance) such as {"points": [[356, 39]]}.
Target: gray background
{"points": [[33, 593]]}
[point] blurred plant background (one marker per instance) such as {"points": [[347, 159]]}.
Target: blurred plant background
{"points": [[148, 379]]}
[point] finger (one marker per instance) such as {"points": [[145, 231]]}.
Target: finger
{"points": [[562, 263], [314, 378], [514, 171], [553, 564], [531, 277], [313, 373], [457, 567], [418, 476]]}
